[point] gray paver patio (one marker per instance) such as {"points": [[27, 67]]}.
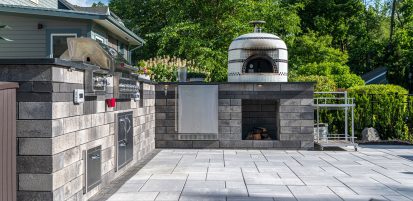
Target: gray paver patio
{"points": [[372, 173]]}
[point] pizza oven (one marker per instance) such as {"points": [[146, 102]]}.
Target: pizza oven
{"points": [[258, 57]]}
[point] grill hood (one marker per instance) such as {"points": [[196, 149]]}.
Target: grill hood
{"points": [[90, 51]]}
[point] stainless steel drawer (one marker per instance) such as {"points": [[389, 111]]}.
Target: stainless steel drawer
{"points": [[93, 165]]}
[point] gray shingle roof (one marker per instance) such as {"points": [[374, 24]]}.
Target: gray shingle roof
{"points": [[376, 76]]}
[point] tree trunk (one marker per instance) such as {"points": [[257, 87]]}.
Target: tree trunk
{"points": [[393, 12]]}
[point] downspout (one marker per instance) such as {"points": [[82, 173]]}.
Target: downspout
{"points": [[135, 48]]}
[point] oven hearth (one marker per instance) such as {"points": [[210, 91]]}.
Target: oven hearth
{"points": [[258, 133], [259, 119]]}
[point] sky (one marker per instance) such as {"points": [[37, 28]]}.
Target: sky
{"points": [[86, 2]]}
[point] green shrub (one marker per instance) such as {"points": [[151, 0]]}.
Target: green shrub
{"points": [[340, 73], [383, 107], [347, 80], [164, 69], [323, 83]]}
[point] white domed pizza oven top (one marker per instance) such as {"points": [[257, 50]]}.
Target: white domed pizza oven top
{"points": [[258, 57]]}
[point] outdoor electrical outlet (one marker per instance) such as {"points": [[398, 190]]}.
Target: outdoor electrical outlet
{"points": [[78, 96]]}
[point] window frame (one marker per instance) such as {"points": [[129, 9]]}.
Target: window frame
{"points": [[58, 34], [100, 39]]}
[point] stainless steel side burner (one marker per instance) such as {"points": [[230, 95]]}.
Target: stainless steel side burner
{"points": [[125, 88], [96, 81]]}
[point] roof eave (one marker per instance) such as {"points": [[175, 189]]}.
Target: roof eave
{"points": [[99, 18], [126, 30], [50, 12]]}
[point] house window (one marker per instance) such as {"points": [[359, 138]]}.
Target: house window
{"points": [[122, 49], [58, 43], [100, 39]]}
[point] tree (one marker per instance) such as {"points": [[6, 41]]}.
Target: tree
{"points": [[202, 30], [357, 27], [337, 18], [367, 49], [99, 4], [313, 54], [401, 46]]}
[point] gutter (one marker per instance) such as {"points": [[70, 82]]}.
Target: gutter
{"points": [[50, 12], [135, 48]]}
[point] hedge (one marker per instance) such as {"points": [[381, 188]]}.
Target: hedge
{"points": [[387, 108], [384, 107], [323, 83]]}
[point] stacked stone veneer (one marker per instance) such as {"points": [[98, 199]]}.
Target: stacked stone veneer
{"points": [[295, 116], [53, 132]]}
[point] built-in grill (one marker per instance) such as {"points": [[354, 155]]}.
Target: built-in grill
{"points": [[104, 62], [124, 139]]}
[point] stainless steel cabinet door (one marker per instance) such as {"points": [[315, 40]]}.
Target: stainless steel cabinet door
{"points": [[124, 138], [198, 109]]}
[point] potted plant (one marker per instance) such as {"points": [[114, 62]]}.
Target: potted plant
{"points": [[196, 76], [143, 72]]}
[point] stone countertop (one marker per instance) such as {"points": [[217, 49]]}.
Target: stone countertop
{"points": [[59, 62]]}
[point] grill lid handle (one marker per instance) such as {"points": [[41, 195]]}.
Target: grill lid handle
{"points": [[257, 25]]}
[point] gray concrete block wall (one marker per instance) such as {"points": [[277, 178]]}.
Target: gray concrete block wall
{"points": [[53, 132], [166, 132], [297, 121], [230, 119]]}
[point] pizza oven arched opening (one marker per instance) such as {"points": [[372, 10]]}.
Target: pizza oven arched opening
{"points": [[259, 64]]}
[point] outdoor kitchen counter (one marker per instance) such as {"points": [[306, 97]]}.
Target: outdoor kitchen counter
{"points": [[290, 102], [55, 135]]}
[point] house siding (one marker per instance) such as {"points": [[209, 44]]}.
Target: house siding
{"points": [[31, 42], [42, 3]]}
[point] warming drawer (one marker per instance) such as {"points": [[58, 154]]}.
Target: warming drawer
{"points": [[93, 168]]}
